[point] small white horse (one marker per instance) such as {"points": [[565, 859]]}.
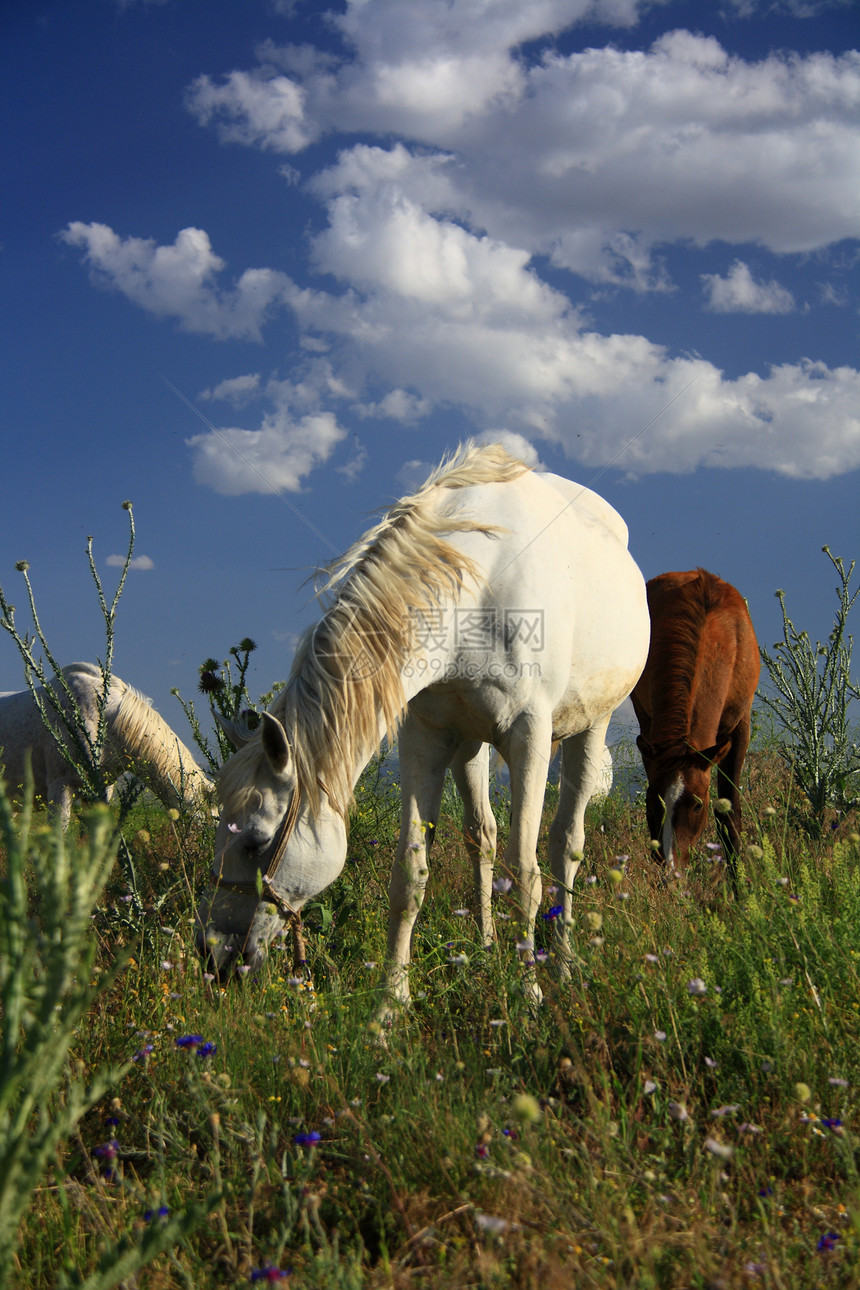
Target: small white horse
{"points": [[138, 740], [495, 606]]}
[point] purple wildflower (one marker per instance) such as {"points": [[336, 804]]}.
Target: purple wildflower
{"points": [[207, 1050], [189, 1041], [270, 1273], [107, 1150], [142, 1053], [151, 1214], [553, 913], [307, 1139], [827, 1241]]}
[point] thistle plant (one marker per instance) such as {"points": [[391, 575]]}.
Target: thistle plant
{"points": [[48, 983], [80, 746], [228, 697], [810, 695]]}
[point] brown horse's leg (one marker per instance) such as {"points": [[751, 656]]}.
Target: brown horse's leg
{"points": [[728, 786]]}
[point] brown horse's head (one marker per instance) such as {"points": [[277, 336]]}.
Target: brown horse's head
{"points": [[676, 803]]}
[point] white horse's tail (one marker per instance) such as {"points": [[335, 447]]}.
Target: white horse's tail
{"points": [[144, 743]]}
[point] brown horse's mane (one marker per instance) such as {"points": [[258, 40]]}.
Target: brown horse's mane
{"points": [[678, 639]]}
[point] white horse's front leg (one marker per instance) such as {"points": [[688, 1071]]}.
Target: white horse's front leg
{"points": [[423, 764], [471, 770], [581, 763], [527, 752]]}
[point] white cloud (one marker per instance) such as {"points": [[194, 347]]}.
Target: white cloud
{"points": [[516, 444], [253, 108], [142, 562], [179, 281], [595, 158], [236, 389], [275, 458], [740, 293], [459, 319]]}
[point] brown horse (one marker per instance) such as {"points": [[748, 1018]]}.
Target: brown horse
{"points": [[693, 702]]}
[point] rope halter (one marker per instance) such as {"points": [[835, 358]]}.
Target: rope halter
{"points": [[263, 888]]}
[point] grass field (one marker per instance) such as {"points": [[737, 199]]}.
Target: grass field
{"points": [[681, 1114]]}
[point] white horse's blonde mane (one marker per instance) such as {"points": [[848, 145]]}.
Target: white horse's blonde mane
{"points": [[144, 742], [345, 683]]}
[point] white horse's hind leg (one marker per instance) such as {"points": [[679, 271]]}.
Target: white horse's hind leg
{"points": [[527, 751], [470, 768], [424, 758], [581, 769]]}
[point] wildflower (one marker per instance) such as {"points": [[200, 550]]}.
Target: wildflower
{"points": [[207, 1050], [526, 944], [498, 1021], [836, 1081], [649, 1086], [754, 852], [307, 1139], [152, 1214], [720, 1149], [270, 1273], [834, 1125], [710, 1063], [382, 1077], [678, 1111], [189, 1041], [696, 986], [107, 1151], [243, 969], [720, 1111], [722, 806], [234, 828], [552, 914], [651, 958], [660, 1035], [142, 1053], [502, 885], [802, 1092], [459, 960], [827, 1241], [495, 1226], [173, 814], [526, 1109], [542, 955], [461, 913], [616, 876]]}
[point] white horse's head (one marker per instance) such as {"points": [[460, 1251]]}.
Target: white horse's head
{"points": [[272, 854]]}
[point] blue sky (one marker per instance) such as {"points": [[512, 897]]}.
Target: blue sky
{"points": [[623, 235]]}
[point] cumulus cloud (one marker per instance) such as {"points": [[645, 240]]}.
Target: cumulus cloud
{"points": [[142, 562], [595, 158], [594, 161], [236, 389], [179, 281], [740, 293], [275, 458]]}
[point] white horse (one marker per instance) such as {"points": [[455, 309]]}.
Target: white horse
{"points": [[138, 740], [495, 606]]}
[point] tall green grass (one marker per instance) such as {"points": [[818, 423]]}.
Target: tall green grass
{"points": [[682, 1113]]}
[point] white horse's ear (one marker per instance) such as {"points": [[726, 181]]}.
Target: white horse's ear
{"points": [[276, 745], [238, 732]]}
